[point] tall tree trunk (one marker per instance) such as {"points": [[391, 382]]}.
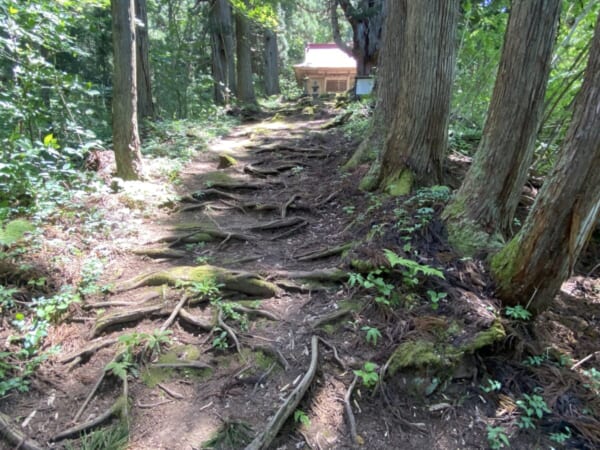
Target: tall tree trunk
{"points": [[531, 268], [245, 85], [145, 105], [271, 63], [387, 88], [223, 62], [415, 147], [485, 204], [366, 20], [126, 141]]}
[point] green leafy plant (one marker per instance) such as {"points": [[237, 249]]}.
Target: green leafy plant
{"points": [[497, 437], [411, 269], [533, 406], [561, 437], [301, 417], [368, 374], [492, 385], [375, 280], [517, 313], [14, 231], [435, 298], [372, 334], [220, 340]]}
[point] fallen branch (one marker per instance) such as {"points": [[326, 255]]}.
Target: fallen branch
{"points": [[116, 409], [264, 439], [14, 436], [350, 415], [153, 405]]}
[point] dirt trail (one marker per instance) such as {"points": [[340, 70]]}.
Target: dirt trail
{"points": [[266, 214]]}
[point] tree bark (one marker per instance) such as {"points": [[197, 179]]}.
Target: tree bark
{"points": [[531, 268], [416, 143], [488, 198], [126, 141], [245, 85], [145, 105], [223, 62], [386, 90], [271, 63], [366, 20]]}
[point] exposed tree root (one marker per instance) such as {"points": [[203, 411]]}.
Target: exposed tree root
{"points": [[266, 349], [242, 185], [350, 415], [195, 321], [229, 331], [175, 312], [279, 223], [184, 365], [256, 312], [161, 252], [89, 350], [332, 275], [14, 436], [332, 317], [203, 234], [176, 395], [213, 194], [337, 121], [239, 281], [123, 316], [261, 207], [118, 408], [153, 405], [324, 253], [289, 232], [336, 357], [89, 397], [264, 439], [287, 204]]}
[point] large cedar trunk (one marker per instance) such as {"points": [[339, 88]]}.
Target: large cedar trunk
{"points": [[245, 85], [415, 147], [488, 198], [531, 268], [271, 63], [145, 104], [366, 20], [126, 142], [223, 61], [386, 89]]}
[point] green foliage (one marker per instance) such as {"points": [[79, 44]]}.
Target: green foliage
{"points": [[372, 335], [533, 406], [368, 374], [301, 417], [493, 385], [220, 340], [233, 434], [359, 123], [411, 269], [435, 298], [497, 437], [562, 437], [517, 313], [114, 438], [14, 231], [374, 280]]}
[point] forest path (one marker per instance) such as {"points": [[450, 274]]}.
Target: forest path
{"points": [[252, 254]]}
